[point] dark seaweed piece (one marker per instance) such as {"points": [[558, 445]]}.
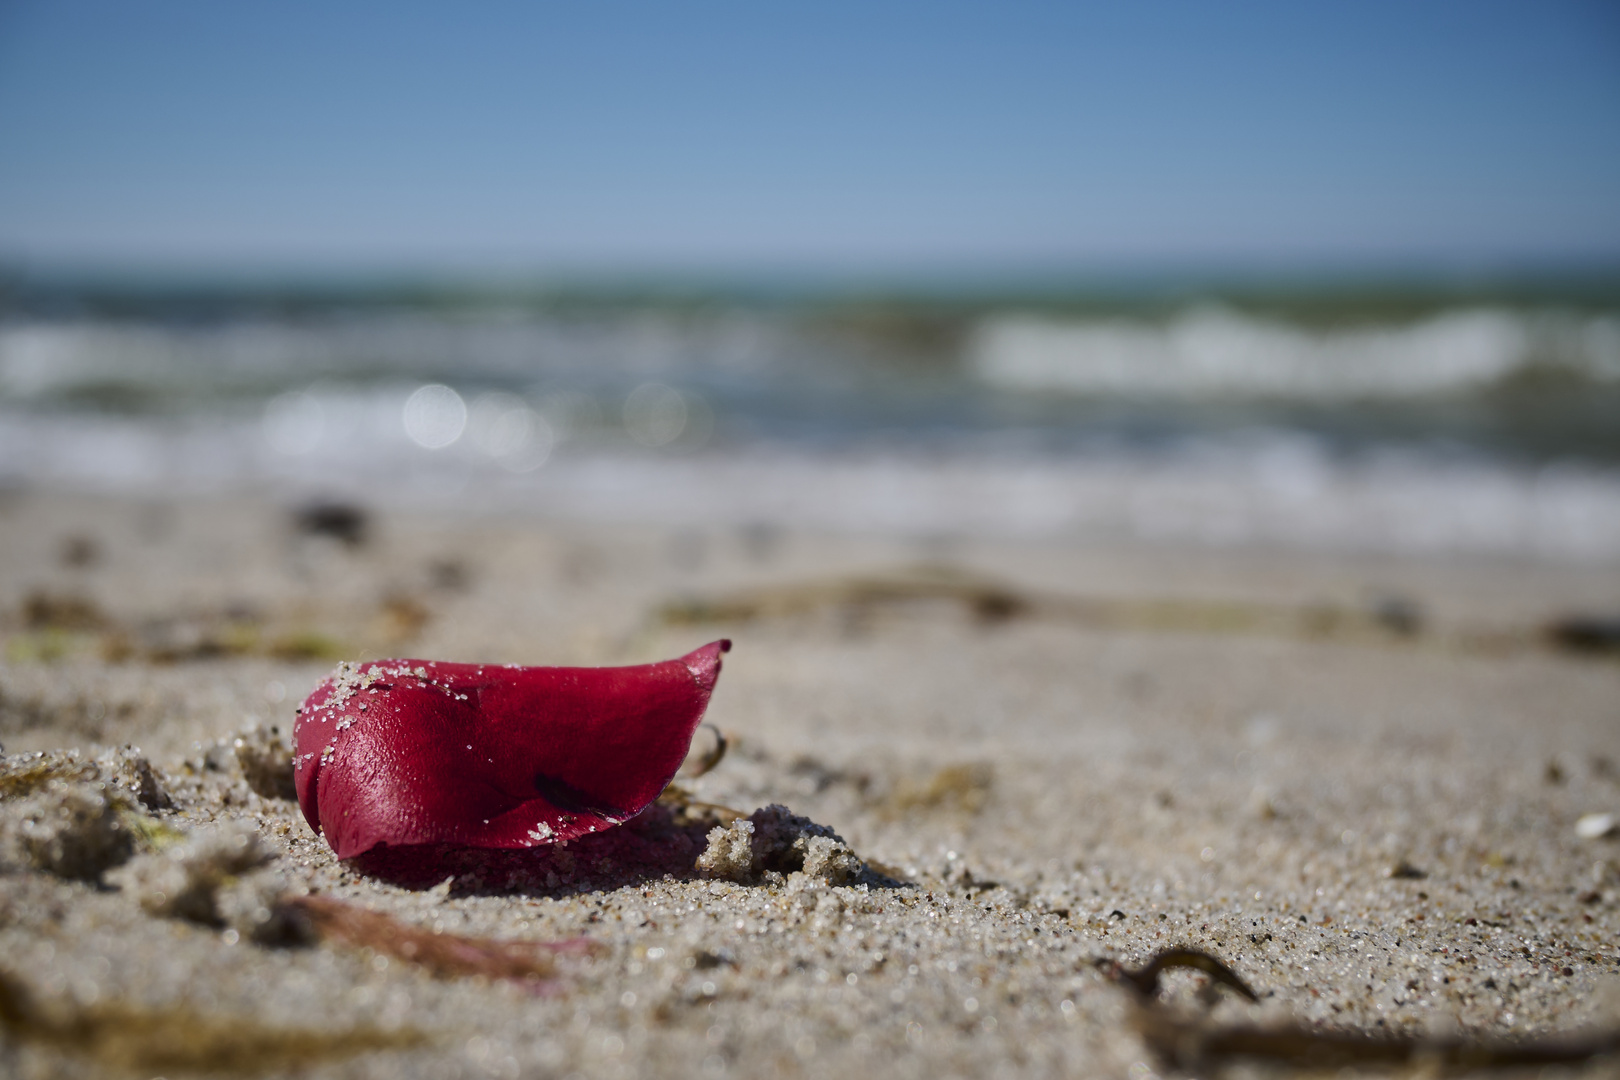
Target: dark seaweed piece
{"points": [[1586, 633], [1146, 978], [342, 521], [78, 551], [1189, 1041], [52, 611], [1398, 614]]}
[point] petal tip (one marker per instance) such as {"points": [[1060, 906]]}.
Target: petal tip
{"points": [[704, 663]]}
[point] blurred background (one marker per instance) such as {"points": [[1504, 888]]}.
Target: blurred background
{"points": [[1343, 277]]}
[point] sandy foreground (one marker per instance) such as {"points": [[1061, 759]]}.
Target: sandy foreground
{"points": [[1356, 781]]}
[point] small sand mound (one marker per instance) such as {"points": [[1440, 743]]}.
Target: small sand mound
{"points": [[267, 763], [69, 829], [123, 771], [774, 839], [185, 881]]}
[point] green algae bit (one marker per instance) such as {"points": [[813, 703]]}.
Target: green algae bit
{"points": [[151, 834]]}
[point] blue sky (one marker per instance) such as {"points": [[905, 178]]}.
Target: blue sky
{"points": [[634, 135]]}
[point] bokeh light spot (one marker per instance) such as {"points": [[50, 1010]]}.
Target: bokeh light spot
{"points": [[655, 415], [435, 416]]}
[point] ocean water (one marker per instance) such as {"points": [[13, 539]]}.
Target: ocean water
{"points": [[1463, 428]]}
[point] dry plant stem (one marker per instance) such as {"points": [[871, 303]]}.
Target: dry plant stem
{"points": [[1188, 1041], [696, 764], [446, 955], [123, 1037], [685, 808]]}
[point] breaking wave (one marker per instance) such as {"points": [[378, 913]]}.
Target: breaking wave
{"points": [[1475, 430], [1210, 352]]}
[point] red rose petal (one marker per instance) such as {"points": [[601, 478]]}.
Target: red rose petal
{"points": [[422, 752]]}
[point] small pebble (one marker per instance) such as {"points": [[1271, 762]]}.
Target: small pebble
{"points": [[1596, 826]]}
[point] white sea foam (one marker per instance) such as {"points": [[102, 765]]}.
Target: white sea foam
{"points": [[1255, 490], [1209, 352], [39, 358]]}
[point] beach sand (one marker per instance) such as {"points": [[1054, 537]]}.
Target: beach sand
{"points": [[1355, 780]]}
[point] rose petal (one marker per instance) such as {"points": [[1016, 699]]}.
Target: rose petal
{"points": [[425, 752]]}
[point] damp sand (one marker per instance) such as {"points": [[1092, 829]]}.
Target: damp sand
{"points": [[1356, 781]]}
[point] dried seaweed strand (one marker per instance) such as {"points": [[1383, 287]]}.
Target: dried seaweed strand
{"points": [[1191, 1041], [446, 955], [704, 763], [990, 601], [177, 1038], [684, 809]]}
